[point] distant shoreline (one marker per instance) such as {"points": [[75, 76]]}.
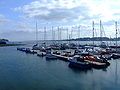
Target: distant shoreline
{"points": [[2, 45]]}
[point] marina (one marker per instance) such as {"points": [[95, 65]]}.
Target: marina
{"points": [[97, 58], [77, 56], [28, 71], [59, 45]]}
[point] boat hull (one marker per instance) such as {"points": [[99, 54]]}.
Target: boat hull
{"points": [[80, 65], [50, 56]]}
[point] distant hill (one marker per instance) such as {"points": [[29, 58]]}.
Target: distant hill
{"points": [[96, 39], [4, 41]]}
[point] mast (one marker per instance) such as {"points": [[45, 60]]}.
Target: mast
{"points": [[116, 76], [78, 34], [71, 32], [58, 34], [110, 41], [116, 33], [67, 34], [36, 33], [69, 39], [93, 32], [100, 32], [44, 34], [52, 35]]}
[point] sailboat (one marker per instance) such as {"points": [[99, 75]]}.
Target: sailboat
{"points": [[42, 48], [117, 54], [36, 47]]}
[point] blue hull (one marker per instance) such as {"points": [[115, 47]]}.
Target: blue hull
{"points": [[80, 65], [49, 56]]}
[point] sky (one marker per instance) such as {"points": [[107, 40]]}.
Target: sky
{"points": [[72, 17]]}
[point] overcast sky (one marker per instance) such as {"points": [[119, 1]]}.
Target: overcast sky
{"points": [[18, 18]]}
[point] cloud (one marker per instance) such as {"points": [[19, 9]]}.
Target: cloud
{"points": [[70, 10], [65, 13], [3, 19], [56, 10], [7, 25]]}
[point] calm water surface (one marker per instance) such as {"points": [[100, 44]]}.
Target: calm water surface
{"points": [[21, 71]]}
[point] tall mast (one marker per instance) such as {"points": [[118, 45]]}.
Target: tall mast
{"points": [[71, 31], [44, 34], [52, 34], [116, 34], [116, 76], [69, 39], [36, 33], [93, 32], [100, 32], [78, 34], [58, 33], [67, 34], [110, 41], [79, 31]]}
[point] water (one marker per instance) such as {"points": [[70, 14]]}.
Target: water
{"points": [[21, 71]]}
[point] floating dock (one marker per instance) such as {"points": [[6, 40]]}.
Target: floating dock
{"points": [[62, 57]]}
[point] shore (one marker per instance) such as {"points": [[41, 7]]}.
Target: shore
{"points": [[1, 45]]}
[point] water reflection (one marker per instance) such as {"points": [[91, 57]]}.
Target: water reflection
{"points": [[116, 76], [50, 60], [78, 70], [91, 69]]}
